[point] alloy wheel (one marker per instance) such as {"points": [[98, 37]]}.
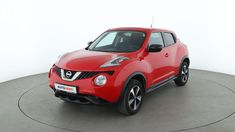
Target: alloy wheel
{"points": [[134, 98], [184, 73]]}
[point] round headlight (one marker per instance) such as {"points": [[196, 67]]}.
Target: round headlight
{"points": [[100, 80]]}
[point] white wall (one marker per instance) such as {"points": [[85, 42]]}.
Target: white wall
{"points": [[34, 32]]}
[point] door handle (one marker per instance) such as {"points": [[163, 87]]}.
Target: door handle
{"points": [[166, 55]]}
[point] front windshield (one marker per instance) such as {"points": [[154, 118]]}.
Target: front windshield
{"points": [[118, 41]]}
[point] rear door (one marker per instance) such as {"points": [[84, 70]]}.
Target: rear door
{"points": [[171, 49]]}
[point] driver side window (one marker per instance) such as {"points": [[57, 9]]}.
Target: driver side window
{"points": [[156, 38]]}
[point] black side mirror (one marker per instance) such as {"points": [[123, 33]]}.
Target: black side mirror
{"points": [[89, 43], [155, 48]]}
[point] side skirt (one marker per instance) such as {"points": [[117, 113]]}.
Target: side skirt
{"points": [[158, 85]]}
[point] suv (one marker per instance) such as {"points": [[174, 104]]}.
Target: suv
{"points": [[120, 67]]}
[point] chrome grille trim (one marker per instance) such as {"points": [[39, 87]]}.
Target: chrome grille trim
{"points": [[67, 79], [82, 74]]}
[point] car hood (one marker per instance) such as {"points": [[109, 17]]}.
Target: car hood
{"points": [[85, 60]]}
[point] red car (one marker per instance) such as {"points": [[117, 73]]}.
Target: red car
{"points": [[120, 67]]}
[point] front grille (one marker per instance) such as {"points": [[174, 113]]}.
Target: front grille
{"points": [[84, 74], [73, 73], [57, 70]]}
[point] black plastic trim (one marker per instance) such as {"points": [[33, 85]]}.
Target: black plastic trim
{"points": [[182, 60], [127, 81], [158, 85], [80, 98]]}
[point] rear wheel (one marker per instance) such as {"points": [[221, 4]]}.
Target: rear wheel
{"points": [[183, 76], [133, 98]]}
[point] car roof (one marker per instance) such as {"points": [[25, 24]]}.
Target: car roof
{"points": [[141, 29]]}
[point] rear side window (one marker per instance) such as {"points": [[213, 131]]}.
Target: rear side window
{"points": [[156, 38], [169, 39]]}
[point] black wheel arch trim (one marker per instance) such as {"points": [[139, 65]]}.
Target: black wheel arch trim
{"points": [[127, 81], [182, 60]]}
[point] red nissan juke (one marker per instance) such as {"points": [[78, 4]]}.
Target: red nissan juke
{"points": [[120, 67]]}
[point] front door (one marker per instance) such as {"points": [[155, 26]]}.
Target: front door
{"points": [[158, 61]]}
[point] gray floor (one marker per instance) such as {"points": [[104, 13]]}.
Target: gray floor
{"points": [[206, 103]]}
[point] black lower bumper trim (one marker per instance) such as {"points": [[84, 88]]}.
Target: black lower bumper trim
{"points": [[80, 98]]}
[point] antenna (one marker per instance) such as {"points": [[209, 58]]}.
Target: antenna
{"points": [[152, 22]]}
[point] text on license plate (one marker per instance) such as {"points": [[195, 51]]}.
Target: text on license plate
{"points": [[69, 89]]}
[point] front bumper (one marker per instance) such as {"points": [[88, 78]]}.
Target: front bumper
{"points": [[87, 91]]}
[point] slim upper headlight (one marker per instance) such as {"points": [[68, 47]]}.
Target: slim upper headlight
{"points": [[114, 62]]}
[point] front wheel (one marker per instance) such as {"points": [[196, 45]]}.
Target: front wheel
{"points": [[133, 98], [183, 76]]}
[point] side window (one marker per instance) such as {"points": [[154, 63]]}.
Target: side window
{"points": [[169, 39], [156, 38]]}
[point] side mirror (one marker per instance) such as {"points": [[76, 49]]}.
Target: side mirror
{"points": [[155, 48], [89, 43]]}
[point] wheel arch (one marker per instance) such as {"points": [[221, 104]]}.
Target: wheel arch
{"points": [[136, 75], [185, 59]]}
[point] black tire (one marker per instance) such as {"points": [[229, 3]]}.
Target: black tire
{"points": [[132, 98], [183, 75]]}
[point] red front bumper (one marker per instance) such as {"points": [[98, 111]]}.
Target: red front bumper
{"points": [[110, 92]]}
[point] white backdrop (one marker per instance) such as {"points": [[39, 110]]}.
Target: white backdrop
{"points": [[34, 32]]}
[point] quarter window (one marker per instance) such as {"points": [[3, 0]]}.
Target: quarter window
{"points": [[169, 39]]}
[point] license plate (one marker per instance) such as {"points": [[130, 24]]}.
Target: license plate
{"points": [[65, 88]]}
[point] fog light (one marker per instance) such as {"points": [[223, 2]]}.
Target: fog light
{"points": [[100, 80]]}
